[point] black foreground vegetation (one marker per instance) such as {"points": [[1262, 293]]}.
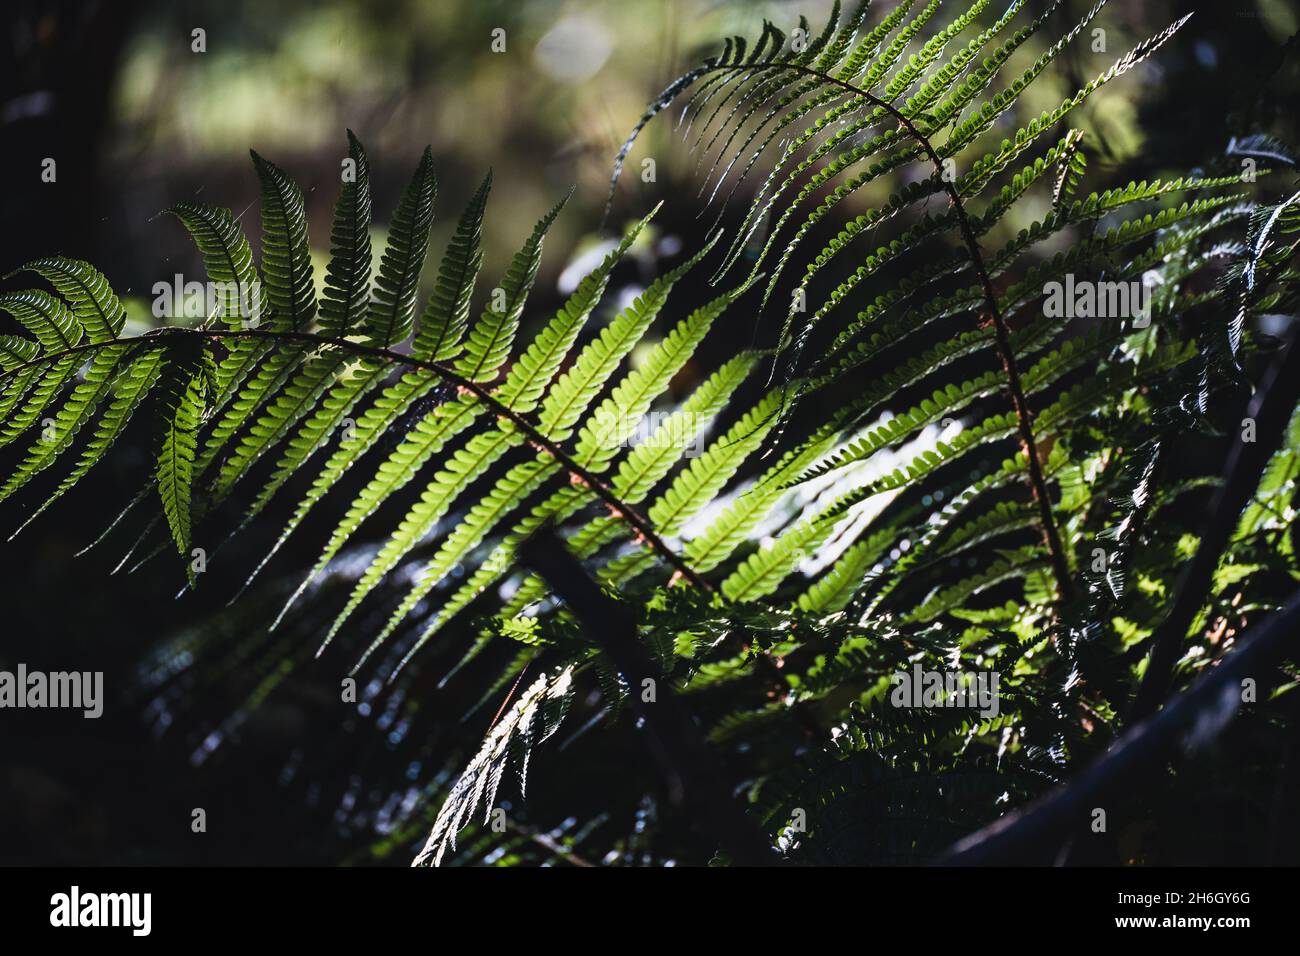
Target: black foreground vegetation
{"points": [[929, 460]]}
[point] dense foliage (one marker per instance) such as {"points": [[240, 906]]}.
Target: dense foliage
{"points": [[936, 458]]}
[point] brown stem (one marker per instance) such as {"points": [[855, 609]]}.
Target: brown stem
{"points": [[1002, 337], [621, 509]]}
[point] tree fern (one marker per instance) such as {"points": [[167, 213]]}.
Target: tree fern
{"points": [[911, 460]]}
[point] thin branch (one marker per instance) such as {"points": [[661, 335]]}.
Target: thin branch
{"points": [[1271, 408], [692, 771], [1192, 719], [550, 844]]}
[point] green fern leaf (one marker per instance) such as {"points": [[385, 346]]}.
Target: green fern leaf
{"points": [[82, 403], [445, 318], [180, 411], [286, 259], [25, 408], [344, 303], [392, 308], [493, 334], [226, 257], [132, 386], [94, 304], [45, 316], [15, 351]]}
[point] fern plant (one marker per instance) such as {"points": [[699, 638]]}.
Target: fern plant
{"points": [[921, 466]]}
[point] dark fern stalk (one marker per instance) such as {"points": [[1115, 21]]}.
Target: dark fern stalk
{"points": [[1024, 417], [177, 401]]}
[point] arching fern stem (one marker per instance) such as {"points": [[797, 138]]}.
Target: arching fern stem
{"points": [[625, 512], [620, 508], [1002, 338]]}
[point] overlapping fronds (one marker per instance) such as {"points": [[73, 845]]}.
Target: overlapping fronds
{"points": [[942, 453]]}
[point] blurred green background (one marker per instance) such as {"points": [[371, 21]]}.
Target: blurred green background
{"points": [[138, 120]]}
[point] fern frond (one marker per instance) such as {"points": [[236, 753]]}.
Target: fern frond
{"points": [[81, 404], [646, 465], [344, 303], [446, 317], [95, 306], [392, 304], [521, 390], [16, 351], [286, 260], [492, 336], [693, 488], [46, 317], [180, 411], [544, 701], [132, 387], [918, 482], [24, 405], [599, 441], [226, 257]]}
